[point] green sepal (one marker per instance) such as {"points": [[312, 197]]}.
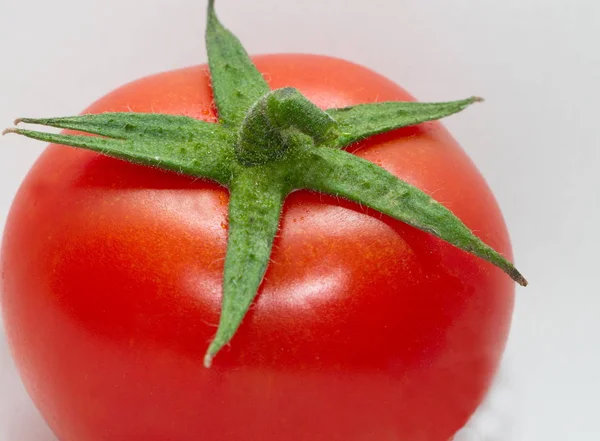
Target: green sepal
{"points": [[179, 143], [236, 82], [255, 205], [365, 120], [339, 173]]}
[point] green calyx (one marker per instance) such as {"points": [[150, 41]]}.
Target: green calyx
{"points": [[265, 145]]}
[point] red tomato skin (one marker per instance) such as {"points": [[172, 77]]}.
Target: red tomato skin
{"points": [[364, 328]]}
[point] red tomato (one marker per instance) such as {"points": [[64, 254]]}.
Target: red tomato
{"points": [[364, 328]]}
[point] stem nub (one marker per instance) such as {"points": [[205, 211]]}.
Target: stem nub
{"points": [[280, 120]]}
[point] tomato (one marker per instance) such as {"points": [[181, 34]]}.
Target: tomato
{"points": [[364, 328]]}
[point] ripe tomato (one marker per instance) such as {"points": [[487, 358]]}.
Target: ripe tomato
{"points": [[364, 328]]}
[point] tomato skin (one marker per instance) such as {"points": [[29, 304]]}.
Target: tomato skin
{"points": [[364, 329]]}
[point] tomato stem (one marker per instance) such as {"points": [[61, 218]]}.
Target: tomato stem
{"points": [[280, 120]]}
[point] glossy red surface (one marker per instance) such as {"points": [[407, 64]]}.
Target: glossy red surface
{"points": [[364, 329]]}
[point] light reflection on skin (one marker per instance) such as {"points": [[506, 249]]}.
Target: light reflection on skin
{"points": [[303, 293], [307, 292]]}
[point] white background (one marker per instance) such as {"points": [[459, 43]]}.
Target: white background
{"points": [[536, 140]]}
